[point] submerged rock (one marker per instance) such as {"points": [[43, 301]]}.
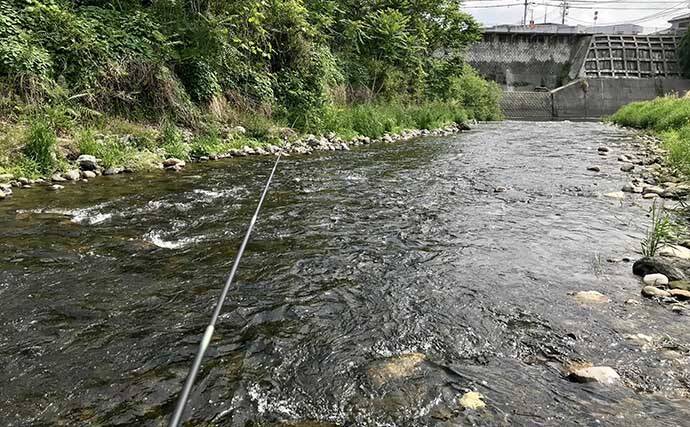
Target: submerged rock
{"points": [[654, 292], [598, 374], [591, 297], [655, 280], [2, 195], [72, 175], [395, 368], [56, 187], [603, 149], [472, 400], [652, 265], [594, 169], [628, 168]]}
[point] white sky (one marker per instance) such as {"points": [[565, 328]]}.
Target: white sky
{"points": [[581, 11]]}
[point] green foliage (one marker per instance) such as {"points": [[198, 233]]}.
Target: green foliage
{"points": [[40, 146], [173, 143], [662, 231]]}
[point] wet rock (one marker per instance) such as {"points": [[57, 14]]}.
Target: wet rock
{"points": [[172, 161], [603, 149], [652, 265], [650, 196], [632, 301], [628, 168], [640, 339], [472, 401], [23, 181], [678, 308], [655, 280], [6, 188], [87, 162], [113, 171], [675, 251], [595, 374], [631, 188], [594, 169], [624, 158], [395, 368], [619, 195], [680, 294], [88, 174], [676, 191], [653, 292], [2, 195], [680, 284], [72, 175], [591, 297], [57, 178], [56, 187], [652, 189]]}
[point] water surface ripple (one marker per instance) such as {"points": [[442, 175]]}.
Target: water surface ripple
{"points": [[462, 248]]}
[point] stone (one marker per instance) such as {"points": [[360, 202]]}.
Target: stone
{"points": [[680, 284], [591, 297], [595, 374], [675, 251], [652, 189], [640, 339], [113, 171], [57, 187], [594, 169], [655, 280], [653, 292], [631, 188], [472, 401], [57, 178], [603, 149], [615, 195], [23, 181], [651, 265], [650, 196], [628, 168], [395, 368], [175, 162], [88, 174], [2, 195], [87, 162], [677, 308], [681, 294], [633, 301], [676, 191], [72, 175], [624, 158]]}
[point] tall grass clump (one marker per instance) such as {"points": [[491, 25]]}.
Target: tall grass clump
{"points": [[661, 232], [39, 147]]}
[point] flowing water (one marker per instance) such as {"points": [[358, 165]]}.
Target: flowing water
{"points": [[380, 285]]}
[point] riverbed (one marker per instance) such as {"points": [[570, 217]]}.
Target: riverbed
{"points": [[461, 250]]}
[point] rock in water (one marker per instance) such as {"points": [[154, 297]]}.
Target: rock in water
{"points": [[594, 169], [616, 195], [473, 401], [57, 178], [596, 374], [87, 162], [395, 368], [603, 149], [2, 195], [675, 251], [57, 187], [591, 297], [681, 294], [655, 280], [627, 168], [652, 265], [72, 175], [653, 292]]}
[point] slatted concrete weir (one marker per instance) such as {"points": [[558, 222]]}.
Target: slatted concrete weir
{"points": [[632, 56]]}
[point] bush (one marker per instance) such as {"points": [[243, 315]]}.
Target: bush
{"points": [[40, 146]]}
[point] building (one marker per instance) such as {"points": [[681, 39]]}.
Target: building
{"points": [[551, 28], [679, 24]]}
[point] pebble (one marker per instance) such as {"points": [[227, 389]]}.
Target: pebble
{"points": [[57, 178], [631, 188], [591, 297], [594, 169], [598, 374], [2, 195], [652, 189], [57, 187], [652, 292], [603, 149], [113, 171], [615, 195], [650, 196], [628, 168], [473, 401], [655, 280], [633, 301]]}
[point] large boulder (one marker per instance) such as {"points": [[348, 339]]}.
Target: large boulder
{"points": [[659, 265], [595, 374], [87, 162]]}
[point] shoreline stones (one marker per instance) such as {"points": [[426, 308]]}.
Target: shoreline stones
{"points": [[88, 167], [654, 292], [655, 280]]}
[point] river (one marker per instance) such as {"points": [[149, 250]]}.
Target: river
{"points": [[463, 249]]}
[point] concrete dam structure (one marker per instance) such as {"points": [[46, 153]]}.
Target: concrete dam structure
{"points": [[551, 76]]}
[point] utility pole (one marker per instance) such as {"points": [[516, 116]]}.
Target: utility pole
{"points": [[564, 12], [524, 18]]}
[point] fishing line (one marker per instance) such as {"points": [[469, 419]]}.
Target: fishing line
{"points": [[208, 334]]}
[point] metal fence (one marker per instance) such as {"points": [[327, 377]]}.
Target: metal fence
{"points": [[527, 105]]}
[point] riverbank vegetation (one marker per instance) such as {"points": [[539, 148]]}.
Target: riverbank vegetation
{"points": [[132, 81], [668, 118]]}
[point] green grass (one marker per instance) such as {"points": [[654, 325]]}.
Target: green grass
{"points": [[667, 117]]}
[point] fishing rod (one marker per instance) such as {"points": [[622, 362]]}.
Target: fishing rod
{"points": [[208, 334]]}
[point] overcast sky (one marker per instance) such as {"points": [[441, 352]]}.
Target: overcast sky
{"points": [[581, 12]]}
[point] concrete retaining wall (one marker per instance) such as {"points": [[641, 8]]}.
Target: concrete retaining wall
{"points": [[600, 97]]}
